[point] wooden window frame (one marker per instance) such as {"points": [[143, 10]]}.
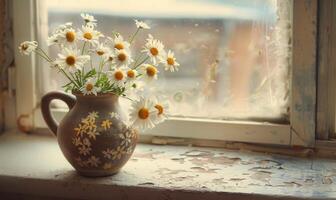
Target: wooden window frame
{"points": [[299, 131], [326, 73]]}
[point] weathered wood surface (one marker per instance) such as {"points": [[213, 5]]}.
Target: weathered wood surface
{"points": [[34, 166], [3, 60], [303, 90], [326, 85]]}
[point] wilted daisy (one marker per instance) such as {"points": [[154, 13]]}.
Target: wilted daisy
{"points": [[57, 33], [149, 72], [53, 39], [89, 34], [71, 59], [141, 24], [62, 27], [169, 62], [161, 110], [102, 49], [119, 43], [122, 58], [27, 47], [118, 77], [142, 114], [89, 19], [154, 49], [90, 88]]}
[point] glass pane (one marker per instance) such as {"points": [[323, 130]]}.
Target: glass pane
{"points": [[234, 55]]}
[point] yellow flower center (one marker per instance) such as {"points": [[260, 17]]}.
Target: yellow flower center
{"points": [[119, 46], [122, 57], [87, 36], [170, 61], [24, 47], [100, 53], [118, 75], [70, 36], [70, 60], [89, 87], [143, 113], [154, 51], [159, 108], [130, 73], [110, 58], [151, 71]]}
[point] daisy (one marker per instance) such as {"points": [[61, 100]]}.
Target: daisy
{"points": [[62, 27], [141, 24], [149, 72], [109, 58], [154, 49], [161, 110], [27, 47], [123, 58], [89, 34], [143, 114], [60, 30], [53, 39], [118, 77], [131, 74], [90, 88], [71, 59], [170, 62], [119, 43], [67, 37], [102, 49], [89, 19]]}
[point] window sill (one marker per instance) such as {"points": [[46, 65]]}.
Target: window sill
{"points": [[34, 166]]}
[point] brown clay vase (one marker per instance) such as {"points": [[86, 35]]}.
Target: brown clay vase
{"points": [[93, 135]]}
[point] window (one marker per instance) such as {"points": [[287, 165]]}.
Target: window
{"points": [[233, 61], [237, 79]]}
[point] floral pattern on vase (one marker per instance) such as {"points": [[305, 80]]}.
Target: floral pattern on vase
{"points": [[90, 129]]}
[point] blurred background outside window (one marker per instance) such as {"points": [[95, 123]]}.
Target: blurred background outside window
{"points": [[234, 55]]}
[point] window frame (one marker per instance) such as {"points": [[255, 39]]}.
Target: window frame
{"points": [[326, 73], [299, 131]]}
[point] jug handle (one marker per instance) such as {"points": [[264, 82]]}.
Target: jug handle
{"points": [[70, 100]]}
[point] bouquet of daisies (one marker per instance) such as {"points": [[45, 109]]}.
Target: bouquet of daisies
{"points": [[116, 71]]}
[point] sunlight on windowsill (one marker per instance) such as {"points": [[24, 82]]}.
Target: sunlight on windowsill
{"points": [[34, 165]]}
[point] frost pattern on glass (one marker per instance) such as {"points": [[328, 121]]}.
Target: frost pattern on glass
{"points": [[234, 55]]}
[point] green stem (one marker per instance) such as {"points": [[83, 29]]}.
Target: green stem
{"points": [[83, 70], [76, 79], [83, 47], [136, 66], [43, 56], [65, 74], [138, 58], [100, 69], [133, 36], [43, 52]]}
